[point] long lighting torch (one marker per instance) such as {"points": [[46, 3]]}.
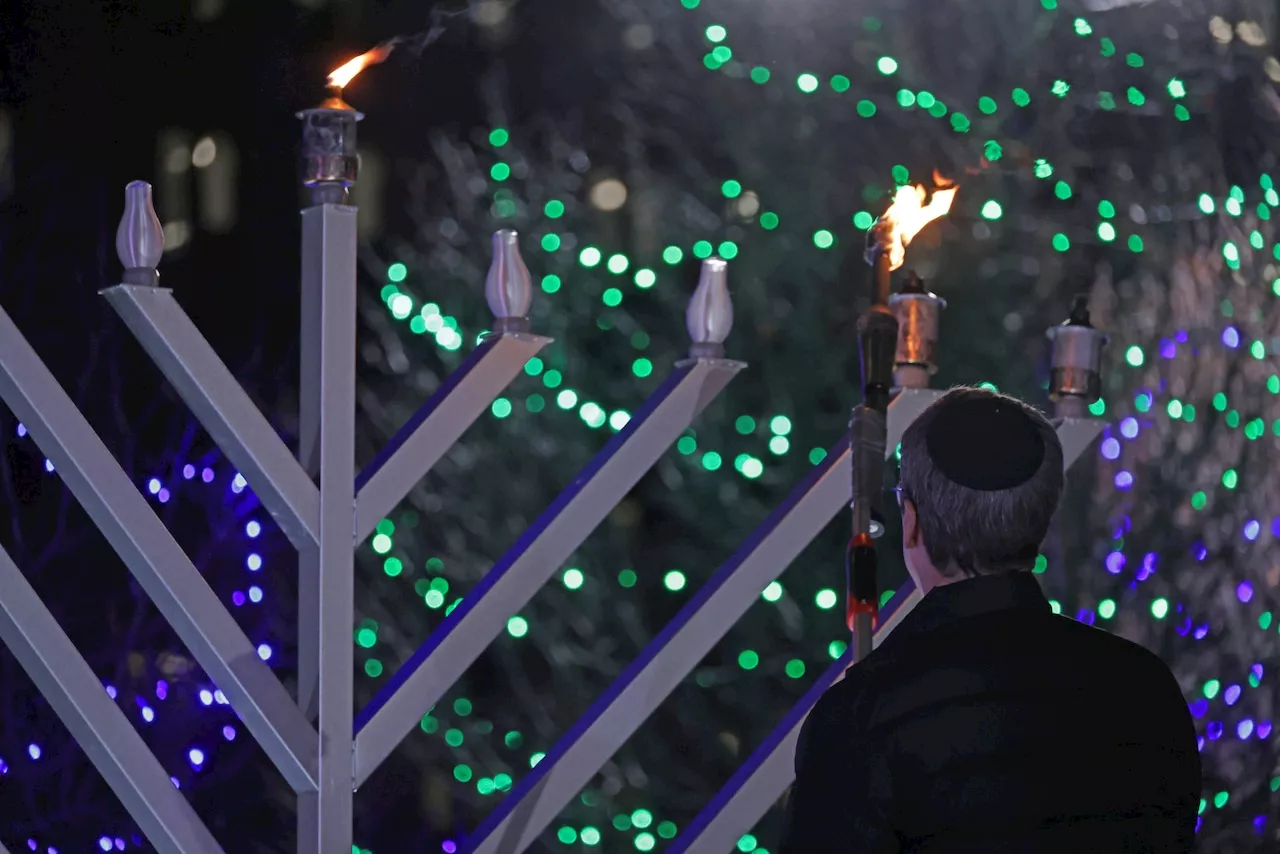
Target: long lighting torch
{"points": [[879, 343]]}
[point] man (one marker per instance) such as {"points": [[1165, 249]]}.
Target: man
{"points": [[984, 722]]}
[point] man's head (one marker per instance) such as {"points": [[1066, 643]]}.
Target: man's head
{"points": [[981, 479]]}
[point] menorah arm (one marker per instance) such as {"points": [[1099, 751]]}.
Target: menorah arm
{"points": [[98, 725], [220, 403], [439, 423], [530, 563], [753, 788], [155, 559], [1076, 435], [686, 640], [767, 773]]}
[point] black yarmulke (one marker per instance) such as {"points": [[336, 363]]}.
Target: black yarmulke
{"points": [[985, 443]]}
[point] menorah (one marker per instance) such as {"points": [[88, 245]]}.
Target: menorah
{"points": [[322, 748]]}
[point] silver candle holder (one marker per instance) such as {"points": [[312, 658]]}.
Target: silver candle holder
{"points": [[709, 318], [918, 312], [1075, 376], [330, 160]]}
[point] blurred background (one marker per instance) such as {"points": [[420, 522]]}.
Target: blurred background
{"points": [[1117, 148]]}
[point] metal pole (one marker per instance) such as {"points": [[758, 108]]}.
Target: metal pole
{"points": [[767, 773], [326, 447], [615, 716], [333, 227], [309, 421], [108, 738], [330, 163], [309, 374], [544, 547]]}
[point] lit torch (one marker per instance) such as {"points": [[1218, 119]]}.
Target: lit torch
{"points": [[881, 349], [904, 219], [915, 308], [329, 159]]}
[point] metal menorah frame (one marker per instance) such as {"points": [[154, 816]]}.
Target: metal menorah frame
{"points": [[321, 747], [324, 764]]}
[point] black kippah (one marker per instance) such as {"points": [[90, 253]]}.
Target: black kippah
{"points": [[985, 443]]}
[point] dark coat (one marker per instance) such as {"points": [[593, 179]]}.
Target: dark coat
{"points": [[986, 724]]}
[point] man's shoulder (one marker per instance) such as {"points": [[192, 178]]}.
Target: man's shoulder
{"points": [[1119, 651], [847, 703], [1053, 642], [1138, 666]]}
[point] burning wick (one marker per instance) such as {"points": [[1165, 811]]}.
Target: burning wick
{"points": [[908, 214], [344, 74], [330, 159]]}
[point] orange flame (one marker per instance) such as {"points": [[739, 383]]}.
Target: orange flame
{"points": [[909, 213], [341, 76]]}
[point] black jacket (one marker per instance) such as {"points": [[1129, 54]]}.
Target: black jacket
{"points": [[985, 724]]}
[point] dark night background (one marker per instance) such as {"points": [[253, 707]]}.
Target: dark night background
{"points": [[95, 94]]}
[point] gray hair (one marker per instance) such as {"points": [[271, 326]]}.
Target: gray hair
{"points": [[972, 531]]}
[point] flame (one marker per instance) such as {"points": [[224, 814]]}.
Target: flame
{"points": [[341, 76], [909, 213]]}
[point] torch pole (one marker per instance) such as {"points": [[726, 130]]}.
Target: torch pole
{"points": [[880, 270], [868, 431]]}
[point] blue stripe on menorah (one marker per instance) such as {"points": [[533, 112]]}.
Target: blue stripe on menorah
{"points": [[452, 381], [701, 829]]}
